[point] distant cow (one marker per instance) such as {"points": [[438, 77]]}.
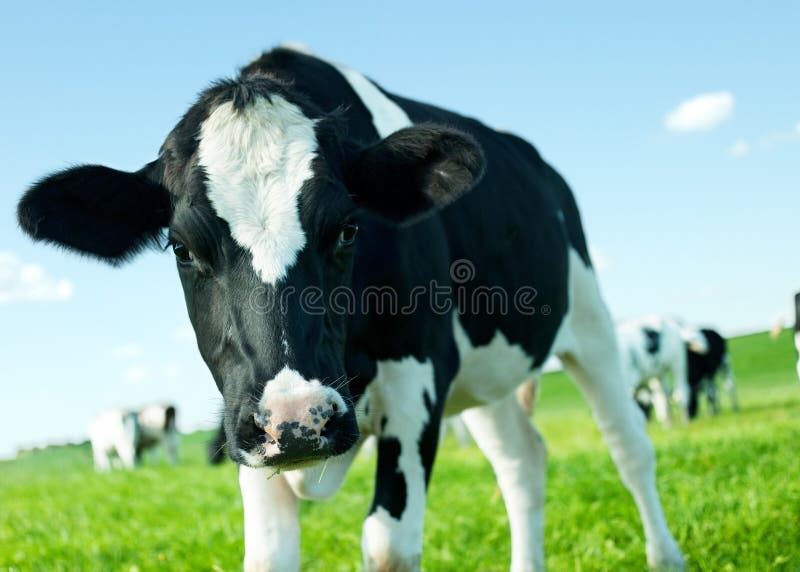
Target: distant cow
{"points": [[703, 370], [652, 349], [127, 434], [797, 329]]}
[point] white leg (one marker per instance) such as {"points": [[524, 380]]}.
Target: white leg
{"points": [[101, 461], [271, 523], [518, 456], [680, 376], [710, 388], [730, 381], [392, 534], [171, 440], [660, 398], [598, 373], [591, 354], [127, 455]]}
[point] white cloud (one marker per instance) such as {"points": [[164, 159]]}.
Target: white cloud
{"points": [[600, 259], [135, 374], [740, 148], [29, 282], [126, 351], [777, 138], [700, 113]]}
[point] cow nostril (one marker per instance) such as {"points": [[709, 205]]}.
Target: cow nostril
{"points": [[335, 407], [261, 421], [271, 433]]}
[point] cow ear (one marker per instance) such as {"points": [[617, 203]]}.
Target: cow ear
{"points": [[96, 210], [415, 171]]}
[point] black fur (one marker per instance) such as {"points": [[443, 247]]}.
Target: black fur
{"points": [[652, 340], [96, 210], [702, 367], [390, 484]]}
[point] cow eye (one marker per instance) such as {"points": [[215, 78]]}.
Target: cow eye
{"points": [[182, 253], [348, 234]]}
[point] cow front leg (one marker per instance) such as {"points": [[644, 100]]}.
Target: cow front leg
{"points": [[408, 434], [271, 523], [660, 401]]}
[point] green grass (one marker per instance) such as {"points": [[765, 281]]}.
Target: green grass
{"points": [[730, 487]]}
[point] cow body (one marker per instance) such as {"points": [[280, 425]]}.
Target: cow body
{"points": [[653, 350], [451, 304], [128, 434], [703, 369]]}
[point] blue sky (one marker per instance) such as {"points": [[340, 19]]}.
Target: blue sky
{"points": [[695, 216]]}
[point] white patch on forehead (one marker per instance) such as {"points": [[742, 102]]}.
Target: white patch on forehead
{"points": [[256, 161], [387, 116]]}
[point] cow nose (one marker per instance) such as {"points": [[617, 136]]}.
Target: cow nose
{"points": [[292, 421]]}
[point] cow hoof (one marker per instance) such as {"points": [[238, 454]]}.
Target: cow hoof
{"points": [[666, 558]]}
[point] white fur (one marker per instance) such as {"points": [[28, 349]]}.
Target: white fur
{"points": [[114, 432], [271, 523], [257, 160], [289, 385], [487, 373], [387, 116]]}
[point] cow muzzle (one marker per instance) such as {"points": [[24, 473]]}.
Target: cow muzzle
{"points": [[296, 422]]}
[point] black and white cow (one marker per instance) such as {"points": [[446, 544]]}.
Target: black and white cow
{"points": [[703, 369], [797, 330], [127, 434], [340, 280], [652, 349]]}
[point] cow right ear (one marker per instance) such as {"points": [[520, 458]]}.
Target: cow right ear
{"points": [[96, 210]]}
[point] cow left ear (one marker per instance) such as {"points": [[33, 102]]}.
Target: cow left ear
{"points": [[98, 211], [415, 171]]}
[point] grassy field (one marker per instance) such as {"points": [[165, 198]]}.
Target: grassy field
{"points": [[730, 486]]}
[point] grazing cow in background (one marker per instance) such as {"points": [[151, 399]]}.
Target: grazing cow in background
{"points": [[127, 434], [703, 369], [114, 432], [797, 330], [653, 349], [341, 255]]}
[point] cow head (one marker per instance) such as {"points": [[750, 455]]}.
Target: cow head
{"points": [[259, 197]]}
